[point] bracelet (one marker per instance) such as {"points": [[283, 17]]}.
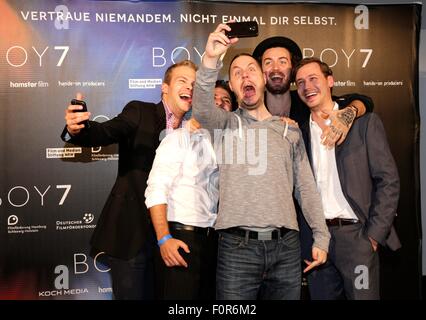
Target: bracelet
{"points": [[164, 239]]}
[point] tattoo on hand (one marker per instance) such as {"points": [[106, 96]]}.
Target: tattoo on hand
{"points": [[347, 116]]}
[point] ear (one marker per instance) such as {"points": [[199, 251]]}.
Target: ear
{"points": [[330, 81], [230, 86], [164, 88]]}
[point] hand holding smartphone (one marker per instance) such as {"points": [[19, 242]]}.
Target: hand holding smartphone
{"points": [[245, 29], [84, 109]]}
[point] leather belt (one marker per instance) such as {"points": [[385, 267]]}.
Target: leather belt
{"points": [[340, 222], [180, 226], [266, 235]]}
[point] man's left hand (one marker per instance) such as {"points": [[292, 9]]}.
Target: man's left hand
{"points": [[374, 243], [319, 257], [340, 123]]}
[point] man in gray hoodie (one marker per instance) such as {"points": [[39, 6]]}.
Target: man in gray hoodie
{"points": [[262, 161]]}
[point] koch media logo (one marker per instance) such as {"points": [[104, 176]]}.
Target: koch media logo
{"points": [[14, 227], [82, 264], [62, 285], [84, 223]]}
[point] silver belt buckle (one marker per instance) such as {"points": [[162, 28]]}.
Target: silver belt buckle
{"points": [[264, 236]]}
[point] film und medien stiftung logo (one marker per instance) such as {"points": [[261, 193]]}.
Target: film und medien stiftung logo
{"points": [[62, 153], [144, 83], [84, 223], [14, 227], [96, 154]]}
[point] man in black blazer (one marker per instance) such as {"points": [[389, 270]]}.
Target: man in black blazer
{"points": [[123, 230], [359, 186]]}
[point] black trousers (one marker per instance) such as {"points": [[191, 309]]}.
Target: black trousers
{"points": [[134, 279], [352, 269], [198, 280]]}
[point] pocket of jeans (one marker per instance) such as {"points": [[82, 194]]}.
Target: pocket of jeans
{"points": [[230, 241], [291, 240]]}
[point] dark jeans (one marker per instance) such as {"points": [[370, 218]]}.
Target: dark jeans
{"points": [[249, 269], [352, 269], [197, 281], [134, 279]]}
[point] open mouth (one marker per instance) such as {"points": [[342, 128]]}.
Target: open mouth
{"points": [[276, 77], [186, 97], [310, 95], [249, 91]]}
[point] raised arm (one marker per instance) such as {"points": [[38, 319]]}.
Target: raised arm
{"points": [[204, 109]]}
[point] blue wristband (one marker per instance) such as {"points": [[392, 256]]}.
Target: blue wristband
{"points": [[164, 239]]}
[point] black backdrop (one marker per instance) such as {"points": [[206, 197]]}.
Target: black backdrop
{"points": [[51, 194]]}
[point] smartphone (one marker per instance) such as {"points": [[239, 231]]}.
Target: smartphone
{"points": [[83, 104], [245, 29]]}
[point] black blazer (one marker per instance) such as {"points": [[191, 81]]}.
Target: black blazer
{"points": [[123, 226], [368, 176]]}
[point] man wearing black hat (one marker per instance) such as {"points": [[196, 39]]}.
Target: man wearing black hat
{"points": [[278, 55]]}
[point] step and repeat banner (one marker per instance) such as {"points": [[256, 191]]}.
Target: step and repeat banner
{"points": [[51, 193]]}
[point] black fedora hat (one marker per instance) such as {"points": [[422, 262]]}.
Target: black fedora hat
{"points": [[278, 42]]}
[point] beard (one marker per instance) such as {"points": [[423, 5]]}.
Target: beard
{"points": [[277, 88]]}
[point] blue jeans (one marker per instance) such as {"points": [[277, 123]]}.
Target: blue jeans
{"points": [[249, 269]]}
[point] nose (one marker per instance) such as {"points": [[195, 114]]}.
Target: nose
{"points": [[308, 84], [218, 101], [275, 66]]}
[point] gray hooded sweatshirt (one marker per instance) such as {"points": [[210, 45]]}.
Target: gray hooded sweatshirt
{"points": [[261, 165]]}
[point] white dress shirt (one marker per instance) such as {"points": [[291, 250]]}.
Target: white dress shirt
{"points": [[185, 176], [327, 177]]}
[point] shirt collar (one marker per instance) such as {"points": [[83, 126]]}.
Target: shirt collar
{"points": [[169, 114], [170, 117]]}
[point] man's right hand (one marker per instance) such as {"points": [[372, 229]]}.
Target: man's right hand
{"points": [[290, 122], [170, 254], [217, 45], [73, 119], [192, 125]]}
